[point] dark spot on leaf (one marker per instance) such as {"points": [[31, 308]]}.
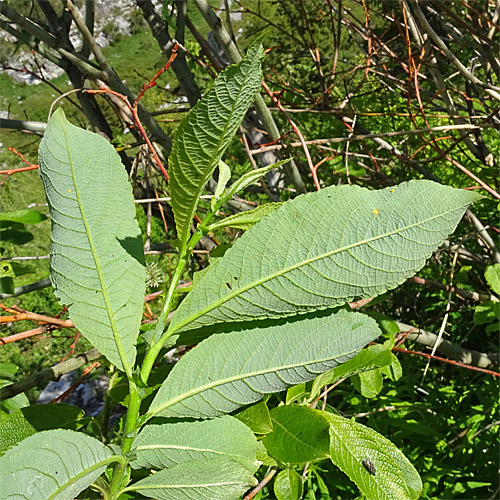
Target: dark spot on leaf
{"points": [[368, 465], [229, 285]]}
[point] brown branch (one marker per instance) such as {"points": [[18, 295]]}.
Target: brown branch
{"points": [[449, 361], [23, 335], [466, 294], [45, 376], [465, 357], [261, 485]]}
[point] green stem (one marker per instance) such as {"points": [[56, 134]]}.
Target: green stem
{"points": [[185, 253], [128, 437], [155, 349]]}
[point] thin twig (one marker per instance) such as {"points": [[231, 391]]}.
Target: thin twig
{"points": [[263, 483]]}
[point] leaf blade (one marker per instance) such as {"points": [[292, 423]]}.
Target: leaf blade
{"points": [[166, 445], [262, 361], [299, 258], [300, 435], [56, 464], [377, 466], [201, 479], [96, 251], [206, 133]]}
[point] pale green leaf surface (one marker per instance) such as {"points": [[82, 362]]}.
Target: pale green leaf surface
{"points": [[251, 177], [394, 371], [300, 435], [202, 479], [166, 445], [51, 465], [368, 383], [205, 134], [297, 392], [230, 370], [395, 477], [288, 485], [224, 178], [246, 220], [263, 456], [96, 255], [324, 249]]}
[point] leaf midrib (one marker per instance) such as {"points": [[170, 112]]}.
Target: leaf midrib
{"points": [[239, 376], [98, 267], [281, 272]]}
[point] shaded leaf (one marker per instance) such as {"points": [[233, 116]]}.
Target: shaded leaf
{"points": [[96, 255], [15, 236]]}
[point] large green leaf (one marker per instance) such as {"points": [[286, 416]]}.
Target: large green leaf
{"points": [[205, 134], [166, 445], [202, 479], [300, 435], [377, 466], [96, 255], [52, 465], [230, 370], [324, 249]]}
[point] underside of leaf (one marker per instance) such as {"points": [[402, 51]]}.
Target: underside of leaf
{"points": [[96, 256], [324, 249]]}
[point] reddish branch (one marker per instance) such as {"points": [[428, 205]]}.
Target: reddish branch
{"points": [[134, 108], [67, 392], [9, 172], [261, 485], [445, 360], [22, 315], [24, 335]]}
